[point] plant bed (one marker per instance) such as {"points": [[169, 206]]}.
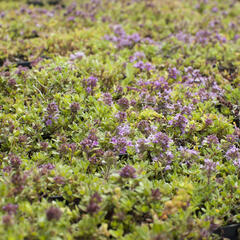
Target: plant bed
{"points": [[119, 119]]}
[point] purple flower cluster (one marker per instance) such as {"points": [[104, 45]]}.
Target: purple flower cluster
{"points": [[173, 73], [77, 55], [128, 172], [120, 144], [90, 142], [211, 140], [121, 116], [48, 166], [160, 139], [45, 168], [210, 165], [75, 107], [205, 36], [179, 121], [53, 213], [188, 155], [52, 110], [15, 161], [123, 103], [90, 83], [65, 148], [10, 208], [121, 39], [123, 130], [233, 153], [156, 194], [144, 127], [107, 99], [141, 145], [143, 66], [93, 205], [137, 56]]}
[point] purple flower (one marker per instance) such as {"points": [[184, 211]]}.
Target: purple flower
{"points": [[156, 195], [231, 138], [184, 37], [71, 19], [52, 108], [119, 90], [77, 55], [220, 38], [120, 144], [12, 82], [107, 98], [168, 167], [93, 205], [144, 126], [7, 220], [210, 165], [187, 110], [162, 140], [10, 208], [53, 213], [236, 37], [135, 37], [137, 56], [141, 145], [140, 65], [188, 153], [148, 66], [203, 36], [47, 166], [21, 70], [211, 140], [63, 149], [121, 116], [90, 142], [173, 73], [72, 147], [75, 107], [233, 153], [48, 122], [237, 162], [7, 169], [90, 83], [128, 172], [124, 130], [59, 180], [22, 138], [118, 30], [208, 122], [15, 161], [214, 9], [123, 103], [179, 121], [161, 84], [122, 39], [143, 66], [133, 102], [169, 156]]}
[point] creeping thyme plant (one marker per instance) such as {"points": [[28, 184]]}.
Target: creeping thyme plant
{"points": [[119, 119]]}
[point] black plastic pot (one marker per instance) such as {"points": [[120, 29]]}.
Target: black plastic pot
{"points": [[230, 231], [24, 64], [35, 3], [54, 2]]}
